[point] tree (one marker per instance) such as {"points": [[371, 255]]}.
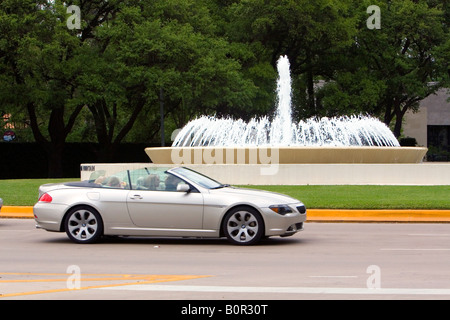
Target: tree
{"points": [[388, 71], [308, 32], [115, 65], [154, 49], [36, 52]]}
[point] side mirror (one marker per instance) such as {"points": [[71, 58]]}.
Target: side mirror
{"points": [[183, 188]]}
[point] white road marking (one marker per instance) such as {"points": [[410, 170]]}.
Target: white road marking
{"points": [[290, 290], [415, 249], [429, 234], [333, 276]]}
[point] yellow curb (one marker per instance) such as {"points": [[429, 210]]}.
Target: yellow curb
{"points": [[387, 215], [314, 215], [19, 212]]}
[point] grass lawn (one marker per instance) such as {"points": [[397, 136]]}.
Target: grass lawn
{"points": [[368, 197], [25, 193]]}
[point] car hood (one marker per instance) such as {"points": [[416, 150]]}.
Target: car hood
{"points": [[268, 197]]}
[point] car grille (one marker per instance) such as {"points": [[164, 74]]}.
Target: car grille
{"points": [[301, 209]]}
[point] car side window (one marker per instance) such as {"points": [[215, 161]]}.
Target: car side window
{"points": [[171, 182], [154, 179], [116, 181]]}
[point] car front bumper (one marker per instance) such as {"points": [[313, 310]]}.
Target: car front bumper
{"points": [[283, 225]]}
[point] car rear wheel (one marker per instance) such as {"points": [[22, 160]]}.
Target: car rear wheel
{"points": [[83, 225], [243, 226]]}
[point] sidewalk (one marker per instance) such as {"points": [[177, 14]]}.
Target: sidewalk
{"points": [[314, 215]]}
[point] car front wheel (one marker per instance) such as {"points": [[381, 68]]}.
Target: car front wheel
{"points": [[243, 226], [83, 225]]}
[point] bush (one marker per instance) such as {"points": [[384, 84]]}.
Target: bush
{"points": [[408, 142]]}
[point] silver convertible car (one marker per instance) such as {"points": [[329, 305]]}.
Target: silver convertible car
{"points": [[165, 202]]}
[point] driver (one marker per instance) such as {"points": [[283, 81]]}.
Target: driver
{"points": [[172, 183]]}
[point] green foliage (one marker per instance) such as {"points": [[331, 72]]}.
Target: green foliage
{"points": [[104, 82], [388, 71], [117, 66], [308, 32]]}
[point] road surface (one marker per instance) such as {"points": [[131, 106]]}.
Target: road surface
{"points": [[325, 261]]}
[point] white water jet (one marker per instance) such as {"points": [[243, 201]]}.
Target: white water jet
{"points": [[281, 131]]}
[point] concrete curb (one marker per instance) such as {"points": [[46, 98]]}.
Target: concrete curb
{"points": [[340, 215], [314, 215], [16, 212]]}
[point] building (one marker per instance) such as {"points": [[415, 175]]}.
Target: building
{"points": [[430, 126]]}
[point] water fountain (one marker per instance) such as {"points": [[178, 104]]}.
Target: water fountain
{"points": [[348, 139]]}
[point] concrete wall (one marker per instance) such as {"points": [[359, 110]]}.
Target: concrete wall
{"points": [[416, 126], [434, 111], [304, 174]]}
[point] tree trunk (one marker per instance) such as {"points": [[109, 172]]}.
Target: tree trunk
{"points": [[55, 154], [58, 133], [400, 109], [398, 125]]}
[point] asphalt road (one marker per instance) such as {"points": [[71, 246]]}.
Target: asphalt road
{"points": [[325, 261]]}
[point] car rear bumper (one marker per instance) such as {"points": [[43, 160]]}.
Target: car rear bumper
{"points": [[49, 216]]}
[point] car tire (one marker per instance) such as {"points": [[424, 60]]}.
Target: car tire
{"points": [[83, 225], [243, 226]]}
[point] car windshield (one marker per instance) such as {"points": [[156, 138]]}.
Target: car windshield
{"points": [[198, 178]]}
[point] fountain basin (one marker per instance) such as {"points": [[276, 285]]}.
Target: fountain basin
{"points": [[285, 155]]}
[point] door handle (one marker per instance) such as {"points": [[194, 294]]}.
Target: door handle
{"points": [[136, 197]]}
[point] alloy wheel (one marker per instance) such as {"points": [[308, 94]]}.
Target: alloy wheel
{"points": [[84, 225], [243, 226]]}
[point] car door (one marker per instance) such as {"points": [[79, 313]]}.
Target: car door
{"points": [[154, 202]]}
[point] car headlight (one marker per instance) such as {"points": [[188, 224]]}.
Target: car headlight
{"points": [[281, 209]]}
